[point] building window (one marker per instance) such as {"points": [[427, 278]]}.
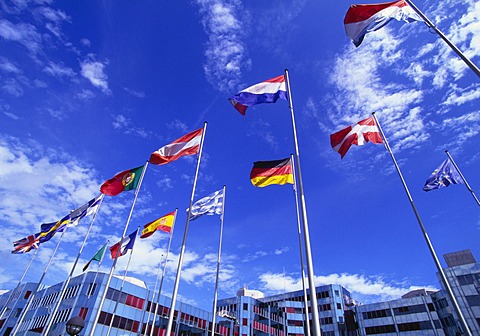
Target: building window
{"points": [[245, 306], [389, 328], [27, 294], [339, 306], [244, 322]]}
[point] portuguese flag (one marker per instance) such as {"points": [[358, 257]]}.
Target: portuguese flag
{"points": [[265, 173], [126, 180]]}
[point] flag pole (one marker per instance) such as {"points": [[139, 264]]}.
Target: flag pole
{"points": [[469, 63], [5, 308], [308, 253], [307, 319], [215, 294], [163, 274], [121, 287], [30, 299], [463, 178], [97, 315], [65, 284], [90, 292], [180, 259], [425, 235], [153, 298]]}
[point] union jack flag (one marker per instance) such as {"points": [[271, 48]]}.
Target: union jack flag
{"points": [[24, 245]]}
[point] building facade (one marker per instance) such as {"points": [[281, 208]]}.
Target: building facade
{"points": [[128, 311], [129, 308]]}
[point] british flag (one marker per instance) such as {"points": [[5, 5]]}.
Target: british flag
{"points": [[24, 245]]}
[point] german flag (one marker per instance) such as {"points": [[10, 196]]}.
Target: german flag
{"points": [[265, 173]]}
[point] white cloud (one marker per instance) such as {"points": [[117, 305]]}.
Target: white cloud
{"points": [[124, 124], [58, 70], [94, 71], [23, 33], [225, 50], [365, 289]]}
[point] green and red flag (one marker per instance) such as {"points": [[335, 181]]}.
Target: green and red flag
{"points": [[126, 180], [265, 173]]}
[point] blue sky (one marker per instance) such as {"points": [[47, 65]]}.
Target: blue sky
{"points": [[91, 88]]}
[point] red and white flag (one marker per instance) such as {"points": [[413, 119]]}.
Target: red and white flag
{"points": [[357, 134], [187, 145], [363, 19]]}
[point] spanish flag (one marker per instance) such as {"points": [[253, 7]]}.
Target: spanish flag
{"points": [[265, 173], [164, 224]]}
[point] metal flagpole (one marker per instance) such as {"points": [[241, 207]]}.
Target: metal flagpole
{"points": [[121, 289], [180, 259], [463, 178], [153, 298], [307, 315], [95, 320], [4, 310], [90, 292], [30, 299], [65, 284], [215, 294], [425, 235], [470, 64], [163, 274], [311, 274]]}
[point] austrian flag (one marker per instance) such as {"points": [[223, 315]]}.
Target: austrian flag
{"points": [[187, 145], [357, 134]]}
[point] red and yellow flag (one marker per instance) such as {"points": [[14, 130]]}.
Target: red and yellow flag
{"points": [[164, 224], [265, 173]]}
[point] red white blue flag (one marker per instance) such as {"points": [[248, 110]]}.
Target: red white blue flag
{"points": [[265, 92], [121, 248], [26, 244], [363, 19]]}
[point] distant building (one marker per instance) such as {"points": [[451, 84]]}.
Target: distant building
{"points": [[250, 312]]}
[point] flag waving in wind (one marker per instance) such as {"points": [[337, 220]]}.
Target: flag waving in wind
{"points": [[209, 205], [164, 224], [363, 19], [187, 145], [97, 257], [121, 248], [87, 209], [443, 176], [123, 181], [357, 134], [265, 92], [265, 173], [26, 244], [48, 230]]}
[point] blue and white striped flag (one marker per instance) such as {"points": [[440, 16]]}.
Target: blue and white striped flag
{"points": [[210, 205]]}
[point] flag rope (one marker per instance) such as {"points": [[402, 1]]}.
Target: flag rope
{"points": [[215, 293], [306, 234], [299, 228], [463, 178], [182, 252], [137, 190], [163, 274], [30, 299], [65, 284], [429, 23], [445, 282]]}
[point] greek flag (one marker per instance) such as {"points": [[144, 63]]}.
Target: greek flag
{"points": [[212, 204]]}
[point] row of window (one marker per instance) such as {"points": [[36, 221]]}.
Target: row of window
{"points": [[398, 311], [122, 297], [468, 279], [118, 322]]}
